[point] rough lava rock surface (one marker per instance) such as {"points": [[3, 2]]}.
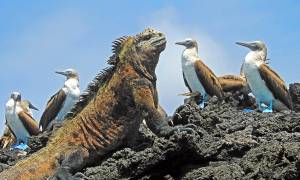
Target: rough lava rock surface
{"points": [[227, 144], [295, 94]]}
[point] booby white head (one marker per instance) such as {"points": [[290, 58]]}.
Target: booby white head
{"points": [[69, 73], [258, 49], [190, 45], [15, 96], [266, 85], [197, 76], [62, 102], [27, 106]]}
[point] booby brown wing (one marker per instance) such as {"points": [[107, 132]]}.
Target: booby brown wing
{"points": [[208, 79], [29, 123], [232, 83], [276, 85], [186, 83], [53, 107]]}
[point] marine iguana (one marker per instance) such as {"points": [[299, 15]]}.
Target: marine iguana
{"points": [[108, 115]]}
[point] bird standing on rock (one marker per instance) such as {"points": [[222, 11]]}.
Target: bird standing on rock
{"points": [[266, 85], [62, 102], [197, 76], [18, 120]]}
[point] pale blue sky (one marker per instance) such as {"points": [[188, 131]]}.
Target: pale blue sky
{"points": [[39, 37]]}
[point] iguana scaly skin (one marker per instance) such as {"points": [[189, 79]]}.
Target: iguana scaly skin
{"points": [[108, 114]]}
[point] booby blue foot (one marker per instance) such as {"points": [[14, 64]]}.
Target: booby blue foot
{"points": [[247, 110], [269, 109], [201, 105], [20, 146], [265, 109]]}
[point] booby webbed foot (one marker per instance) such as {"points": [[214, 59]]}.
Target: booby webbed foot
{"points": [[20, 146], [269, 109], [201, 105], [246, 110], [266, 109]]}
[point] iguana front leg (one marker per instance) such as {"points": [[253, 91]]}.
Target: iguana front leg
{"points": [[72, 161], [158, 124]]}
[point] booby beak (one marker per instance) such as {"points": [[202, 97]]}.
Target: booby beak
{"points": [[61, 72], [180, 43], [250, 45], [33, 107]]}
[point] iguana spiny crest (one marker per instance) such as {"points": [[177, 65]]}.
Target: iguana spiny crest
{"points": [[141, 50]]}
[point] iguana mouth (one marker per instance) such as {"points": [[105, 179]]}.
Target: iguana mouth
{"points": [[160, 43]]}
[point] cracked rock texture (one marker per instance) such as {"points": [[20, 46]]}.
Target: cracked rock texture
{"points": [[295, 94], [227, 144]]}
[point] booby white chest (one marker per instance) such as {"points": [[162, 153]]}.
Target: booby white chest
{"points": [[257, 84], [188, 59], [72, 91]]}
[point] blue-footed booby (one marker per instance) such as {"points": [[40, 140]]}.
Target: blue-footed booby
{"points": [[197, 76], [18, 120], [266, 85], [8, 137], [62, 102]]}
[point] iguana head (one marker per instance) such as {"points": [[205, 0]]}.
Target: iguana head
{"points": [[141, 50], [150, 43]]}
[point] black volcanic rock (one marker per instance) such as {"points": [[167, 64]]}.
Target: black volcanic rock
{"points": [[38, 142], [227, 144], [295, 94], [9, 158]]}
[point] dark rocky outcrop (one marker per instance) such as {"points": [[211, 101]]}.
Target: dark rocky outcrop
{"points": [[295, 94], [227, 144], [9, 158]]}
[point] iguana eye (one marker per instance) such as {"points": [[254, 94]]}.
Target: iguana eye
{"points": [[147, 37]]}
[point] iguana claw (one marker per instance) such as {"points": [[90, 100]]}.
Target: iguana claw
{"points": [[193, 126], [189, 128], [80, 176]]}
